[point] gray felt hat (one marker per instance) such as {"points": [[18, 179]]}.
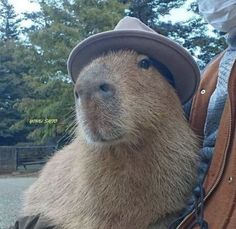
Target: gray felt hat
{"points": [[131, 34]]}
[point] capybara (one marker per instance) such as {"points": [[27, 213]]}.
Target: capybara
{"points": [[133, 162]]}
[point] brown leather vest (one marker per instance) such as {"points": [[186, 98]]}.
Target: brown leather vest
{"points": [[220, 182]]}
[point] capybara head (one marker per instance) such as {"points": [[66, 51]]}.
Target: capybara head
{"points": [[123, 97]]}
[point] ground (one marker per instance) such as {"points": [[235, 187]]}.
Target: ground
{"points": [[11, 190]]}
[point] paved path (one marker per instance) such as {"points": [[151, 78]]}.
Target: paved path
{"points": [[11, 190]]}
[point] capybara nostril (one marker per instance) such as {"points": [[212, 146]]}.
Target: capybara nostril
{"points": [[106, 90], [91, 89]]}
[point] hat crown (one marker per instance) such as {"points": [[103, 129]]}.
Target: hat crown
{"points": [[131, 23]]}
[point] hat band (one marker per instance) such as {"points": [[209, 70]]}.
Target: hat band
{"points": [[164, 71]]}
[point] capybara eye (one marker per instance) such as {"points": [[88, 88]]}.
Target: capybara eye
{"points": [[144, 63], [104, 87]]}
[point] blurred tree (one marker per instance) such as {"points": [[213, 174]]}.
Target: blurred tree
{"points": [[9, 23], [33, 76], [192, 34], [13, 64], [56, 29], [150, 11]]}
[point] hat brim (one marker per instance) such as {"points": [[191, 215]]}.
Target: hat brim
{"points": [[180, 63]]}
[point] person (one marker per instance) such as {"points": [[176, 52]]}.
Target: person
{"points": [[213, 118]]}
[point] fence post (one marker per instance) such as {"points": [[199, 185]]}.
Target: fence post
{"points": [[7, 159]]}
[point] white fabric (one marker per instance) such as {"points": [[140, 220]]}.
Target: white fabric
{"points": [[221, 14]]}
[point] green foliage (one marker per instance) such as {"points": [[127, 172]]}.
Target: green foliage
{"points": [[192, 34], [97, 16], [8, 21], [51, 100], [36, 102], [149, 11], [56, 30], [12, 89], [13, 59]]}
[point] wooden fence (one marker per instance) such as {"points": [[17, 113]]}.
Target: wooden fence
{"points": [[13, 158]]}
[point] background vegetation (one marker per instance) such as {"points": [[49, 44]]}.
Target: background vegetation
{"points": [[36, 96]]}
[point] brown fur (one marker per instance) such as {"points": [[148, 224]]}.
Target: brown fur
{"points": [[133, 162]]}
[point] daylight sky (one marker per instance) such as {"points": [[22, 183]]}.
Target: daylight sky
{"points": [[26, 5]]}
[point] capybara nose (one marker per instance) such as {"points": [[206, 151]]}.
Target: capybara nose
{"points": [[98, 89], [106, 90]]}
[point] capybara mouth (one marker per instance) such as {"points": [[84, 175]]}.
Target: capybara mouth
{"points": [[100, 122], [101, 135], [97, 129]]}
